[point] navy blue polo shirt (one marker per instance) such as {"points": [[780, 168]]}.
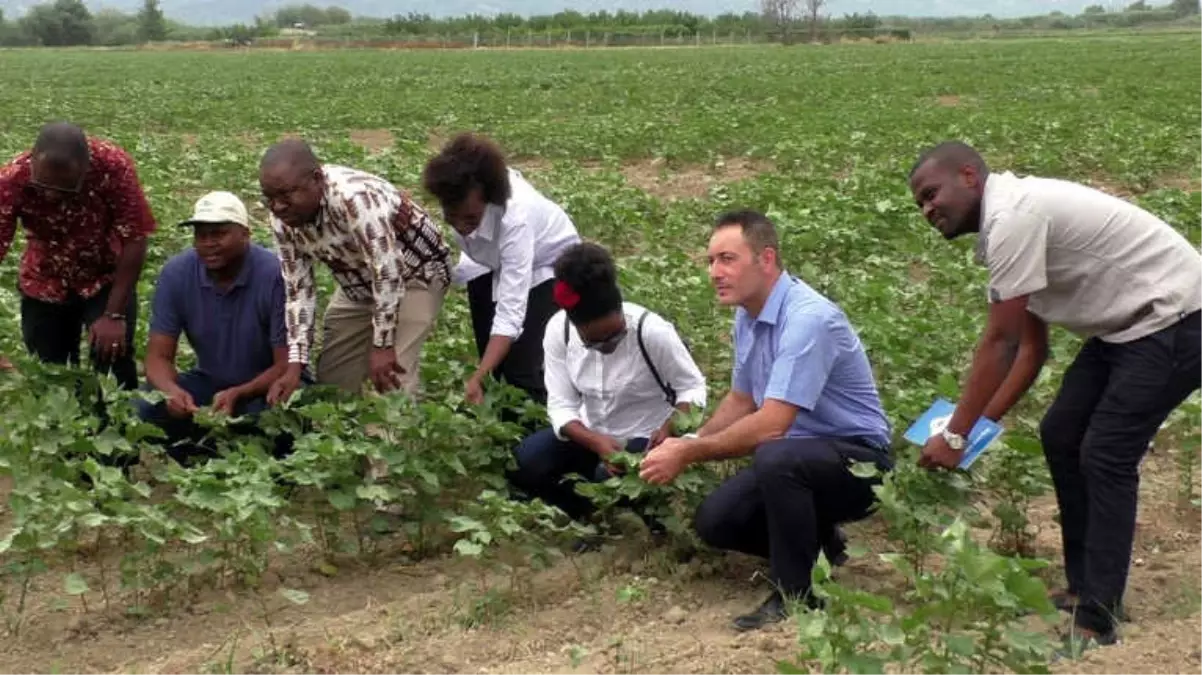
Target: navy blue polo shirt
{"points": [[232, 331]]}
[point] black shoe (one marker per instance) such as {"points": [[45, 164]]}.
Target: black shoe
{"points": [[771, 611], [1066, 601], [587, 544], [835, 547]]}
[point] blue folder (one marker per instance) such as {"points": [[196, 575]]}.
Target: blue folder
{"points": [[935, 419]]}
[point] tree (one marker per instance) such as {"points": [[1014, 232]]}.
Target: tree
{"points": [[1094, 9], [1184, 7], [813, 7], [64, 23], [152, 27], [780, 13]]}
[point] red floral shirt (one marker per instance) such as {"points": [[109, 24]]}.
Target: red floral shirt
{"points": [[72, 245]]}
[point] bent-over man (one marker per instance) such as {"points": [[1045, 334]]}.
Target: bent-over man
{"points": [[1063, 253], [86, 221], [389, 260]]}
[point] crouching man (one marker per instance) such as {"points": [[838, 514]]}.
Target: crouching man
{"points": [[226, 295], [803, 403]]}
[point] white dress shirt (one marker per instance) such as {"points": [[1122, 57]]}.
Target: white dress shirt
{"points": [[616, 394], [518, 243]]}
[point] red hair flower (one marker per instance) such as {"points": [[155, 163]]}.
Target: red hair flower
{"points": [[564, 296]]}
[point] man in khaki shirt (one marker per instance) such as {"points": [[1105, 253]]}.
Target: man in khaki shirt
{"points": [[1127, 282]]}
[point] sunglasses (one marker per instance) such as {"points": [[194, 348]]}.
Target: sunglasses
{"points": [[607, 344]]}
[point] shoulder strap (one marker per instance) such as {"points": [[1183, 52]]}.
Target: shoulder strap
{"points": [[669, 392], [567, 337]]}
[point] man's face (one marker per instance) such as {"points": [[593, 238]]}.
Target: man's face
{"points": [[737, 272], [950, 199], [292, 195], [220, 245], [465, 217], [56, 179]]}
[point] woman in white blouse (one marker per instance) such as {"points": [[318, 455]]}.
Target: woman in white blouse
{"points": [[509, 236], [615, 373]]}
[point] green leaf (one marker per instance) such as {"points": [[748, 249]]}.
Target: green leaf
{"points": [[193, 536], [74, 584], [864, 470], [92, 519], [963, 645], [295, 596], [467, 547], [892, 635], [340, 500]]}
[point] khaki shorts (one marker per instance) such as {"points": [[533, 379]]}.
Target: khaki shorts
{"points": [[344, 360]]}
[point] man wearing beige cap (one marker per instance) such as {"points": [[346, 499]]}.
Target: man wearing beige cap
{"points": [[226, 294]]}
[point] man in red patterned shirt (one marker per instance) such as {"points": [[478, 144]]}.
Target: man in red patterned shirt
{"points": [[86, 220]]}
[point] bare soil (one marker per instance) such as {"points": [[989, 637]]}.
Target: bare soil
{"points": [[690, 181], [948, 101], [627, 608], [372, 140]]}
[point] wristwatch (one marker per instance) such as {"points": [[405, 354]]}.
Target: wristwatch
{"points": [[955, 441], [115, 316]]}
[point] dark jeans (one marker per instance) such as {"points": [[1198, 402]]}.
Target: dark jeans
{"points": [[1113, 399], [185, 438], [53, 331], [523, 365], [788, 503], [543, 461]]}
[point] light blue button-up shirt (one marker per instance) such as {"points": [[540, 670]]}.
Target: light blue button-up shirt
{"points": [[802, 350]]}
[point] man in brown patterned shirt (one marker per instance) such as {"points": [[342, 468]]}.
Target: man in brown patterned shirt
{"points": [[388, 258]]}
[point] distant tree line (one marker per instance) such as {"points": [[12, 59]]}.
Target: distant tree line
{"points": [[70, 23]]}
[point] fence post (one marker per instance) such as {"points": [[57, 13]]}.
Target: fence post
{"points": [[507, 31], [476, 40]]}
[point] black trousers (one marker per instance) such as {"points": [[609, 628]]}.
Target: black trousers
{"points": [[523, 366], [544, 461], [789, 502], [1113, 399], [53, 332]]}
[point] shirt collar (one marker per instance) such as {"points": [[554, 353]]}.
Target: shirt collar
{"points": [[239, 281], [776, 300], [488, 223], [322, 209]]}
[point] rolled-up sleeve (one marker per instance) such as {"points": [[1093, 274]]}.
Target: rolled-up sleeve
{"points": [[563, 399], [740, 378], [805, 355], [676, 365], [1017, 255], [516, 244]]}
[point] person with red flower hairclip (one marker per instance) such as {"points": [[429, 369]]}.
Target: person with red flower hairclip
{"points": [[510, 236], [615, 375]]}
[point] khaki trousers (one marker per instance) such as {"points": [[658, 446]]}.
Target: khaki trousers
{"points": [[344, 360]]}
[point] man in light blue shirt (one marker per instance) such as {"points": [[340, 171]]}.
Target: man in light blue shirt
{"points": [[803, 403]]}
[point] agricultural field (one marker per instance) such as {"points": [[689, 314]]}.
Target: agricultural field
{"points": [[224, 567]]}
